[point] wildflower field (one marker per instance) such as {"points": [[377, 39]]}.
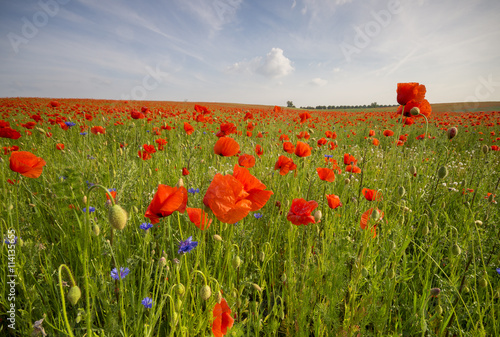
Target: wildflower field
{"points": [[180, 219]]}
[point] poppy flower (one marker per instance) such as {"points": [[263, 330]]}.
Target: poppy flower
{"points": [[232, 197], [9, 133], [149, 148], [283, 164], [144, 155], [98, 130], [226, 147], [26, 164], [388, 133], [410, 91], [326, 174], [60, 146], [302, 149], [300, 212], [288, 147], [366, 217], [161, 143], [199, 217], [185, 171], [375, 142], [304, 116], [258, 150], [371, 133], [424, 106], [277, 109], [321, 142], [226, 129], [333, 201], [137, 115], [188, 128], [349, 159], [166, 201], [222, 319], [371, 195], [111, 191], [353, 169], [246, 160]]}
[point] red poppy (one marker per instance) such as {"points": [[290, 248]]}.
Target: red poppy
{"points": [[188, 128], [161, 143], [371, 195], [226, 147], [258, 150], [199, 217], [366, 217], [353, 169], [283, 164], [371, 133], [166, 201], [60, 146], [322, 142], [376, 142], [288, 147], [113, 194], [424, 107], [333, 201], [388, 133], [185, 171], [201, 109], [304, 116], [495, 148], [302, 149], [26, 164], [137, 115], [149, 148], [410, 91], [232, 197], [144, 155], [222, 319], [226, 129], [277, 109], [326, 174], [9, 133], [349, 159], [97, 130], [300, 212], [246, 160]]}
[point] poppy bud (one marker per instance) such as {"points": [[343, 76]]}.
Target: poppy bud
{"points": [[317, 215], [180, 289], [401, 191], [439, 310], [478, 222], [455, 249], [217, 238], [74, 294], [180, 183], [466, 289], [364, 272], [442, 172], [435, 292], [96, 230], [452, 132], [262, 256], [483, 283], [485, 149], [178, 304], [347, 181], [236, 262], [256, 287], [205, 292], [84, 199], [375, 214], [392, 273], [425, 230], [413, 170], [135, 209], [163, 261], [415, 111], [117, 217]]}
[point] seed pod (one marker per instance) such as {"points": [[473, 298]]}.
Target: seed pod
{"points": [[74, 294], [262, 256], [401, 191], [317, 215], [483, 283], [364, 272], [180, 289], [117, 217], [442, 172], [218, 297], [178, 304], [96, 230], [205, 292], [439, 310], [455, 250], [413, 170], [217, 238], [425, 230], [392, 273], [236, 262], [485, 149]]}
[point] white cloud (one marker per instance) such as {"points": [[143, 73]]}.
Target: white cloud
{"points": [[318, 82], [273, 65]]}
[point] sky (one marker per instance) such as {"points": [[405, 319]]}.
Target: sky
{"points": [[310, 52]]}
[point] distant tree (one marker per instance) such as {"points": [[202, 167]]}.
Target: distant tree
{"points": [[289, 104], [374, 105]]}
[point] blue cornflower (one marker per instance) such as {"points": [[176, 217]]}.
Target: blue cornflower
{"points": [[90, 157], [257, 215], [70, 124], [83, 133], [498, 270], [8, 242], [91, 209], [89, 184], [123, 272], [194, 190], [187, 245], [147, 303], [328, 155], [145, 226]]}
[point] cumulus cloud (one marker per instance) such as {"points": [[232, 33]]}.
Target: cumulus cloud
{"points": [[275, 64], [318, 82]]}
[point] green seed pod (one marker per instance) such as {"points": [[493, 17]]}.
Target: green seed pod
{"points": [[415, 111], [483, 283], [364, 272], [455, 250], [117, 217], [413, 170], [466, 289], [236, 262], [96, 230], [205, 292], [74, 295], [391, 273], [317, 215], [439, 310], [262, 256], [425, 230], [180, 289], [401, 191], [442, 172], [178, 304]]}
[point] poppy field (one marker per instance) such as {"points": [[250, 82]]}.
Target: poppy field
{"points": [[127, 218]]}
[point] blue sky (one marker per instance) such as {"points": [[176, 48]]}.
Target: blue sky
{"points": [[313, 52]]}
